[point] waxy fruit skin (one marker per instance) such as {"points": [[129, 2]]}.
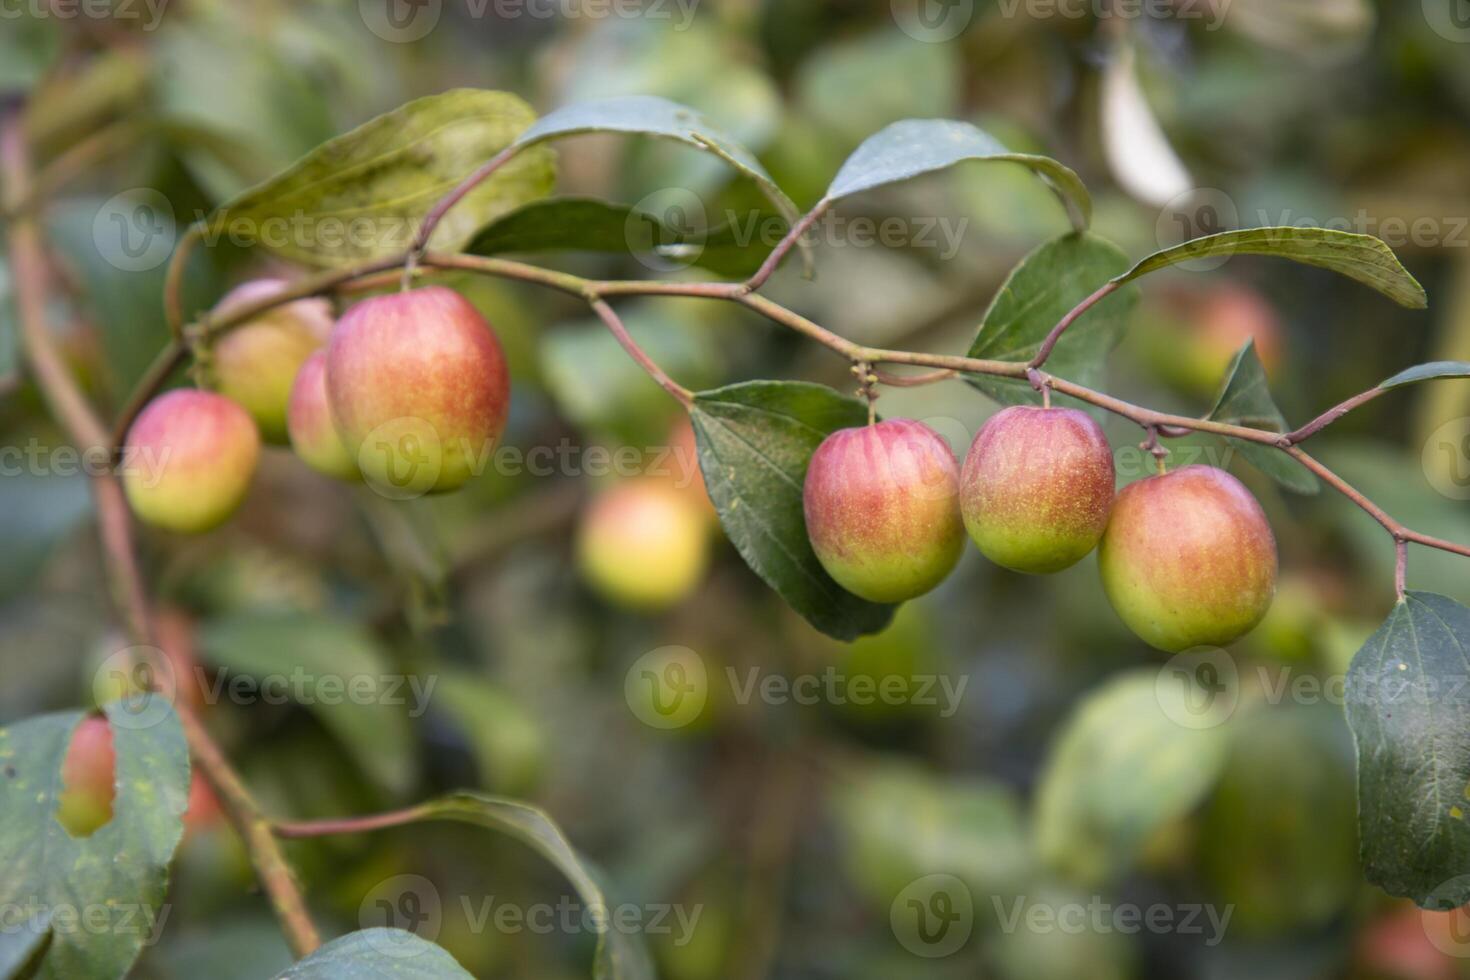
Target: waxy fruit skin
{"points": [[882, 509], [314, 435], [1188, 559], [1037, 488], [418, 388], [188, 460], [255, 363]]}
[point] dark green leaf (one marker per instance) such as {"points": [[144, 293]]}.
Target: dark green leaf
{"points": [[590, 225], [1429, 372], [1360, 257], [654, 116], [378, 954], [361, 195], [338, 671], [505, 736], [118, 873], [1245, 399], [1135, 754], [1045, 287], [1407, 701], [755, 442], [918, 146], [620, 954], [21, 945]]}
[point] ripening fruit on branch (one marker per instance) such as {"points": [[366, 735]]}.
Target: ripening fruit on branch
{"points": [[314, 435], [882, 509], [1037, 487], [643, 544], [418, 387], [87, 775], [1188, 559], [188, 460], [255, 363]]}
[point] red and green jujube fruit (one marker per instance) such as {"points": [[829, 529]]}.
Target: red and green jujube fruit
{"points": [[314, 434], [643, 544], [85, 802], [418, 388], [1037, 487], [882, 509], [256, 363], [1188, 559], [188, 460]]}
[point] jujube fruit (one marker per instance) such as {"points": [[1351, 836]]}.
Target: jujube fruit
{"points": [[188, 460], [1188, 559], [882, 509], [643, 544], [418, 387], [1037, 487], [314, 434], [256, 362], [85, 802]]}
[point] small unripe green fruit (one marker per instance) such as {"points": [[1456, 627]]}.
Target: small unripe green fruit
{"points": [[1037, 487], [188, 460], [314, 435], [87, 775], [255, 363], [882, 509], [419, 389], [1188, 559], [643, 544]]}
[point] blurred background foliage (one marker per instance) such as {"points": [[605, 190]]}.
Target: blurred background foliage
{"points": [[792, 827]]}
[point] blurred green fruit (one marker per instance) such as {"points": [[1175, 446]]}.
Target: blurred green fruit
{"points": [[188, 460], [643, 545]]}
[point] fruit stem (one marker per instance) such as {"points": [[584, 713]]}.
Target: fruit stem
{"points": [[173, 283]]}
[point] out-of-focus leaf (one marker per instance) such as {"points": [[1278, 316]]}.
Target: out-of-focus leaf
{"points": [[591, 225], [362, 195], [22, 943], [620, 954], [508, 742], [1045, 287], [120, 871], [36, 512], [1245, 399], [244, 946], [377, 954], [1407, 700], [1428, 372], [1138, 152], [1360, 257], [912, 147], [337, 671], [1123, 766], [27, 46], [755, 442]]}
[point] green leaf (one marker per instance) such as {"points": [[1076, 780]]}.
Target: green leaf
{"points": [[1360, 257], [1245, 399], [362, 195], [1407, 702], [22, 943], [337, 671], [654, 116], [620, 955], [1045, 287], [918, 146], [378, 954], [586, 224], [755, 442], [120, 872], [1428, 372], [1136, 754], [507, 739]]}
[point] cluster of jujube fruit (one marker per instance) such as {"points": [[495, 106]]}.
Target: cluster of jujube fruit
{"points": [[406, 391], [1187, 557]]}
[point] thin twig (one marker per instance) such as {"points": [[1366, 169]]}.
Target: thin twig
{"points": [[793, 235], [615, 326], [1055, 335], [1331, 415]]}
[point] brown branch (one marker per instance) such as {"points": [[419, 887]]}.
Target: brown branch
{"points": [[615, 326], [65, 400], [1331, 415]]}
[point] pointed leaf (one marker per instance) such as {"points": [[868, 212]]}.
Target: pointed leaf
{"points": [[1045, 287], [362, 195], [1428, 372], [1407, 701], [119, 872], [755, 442], [1360, 257], [1245, 399], [378, 954], [912, 147]]}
